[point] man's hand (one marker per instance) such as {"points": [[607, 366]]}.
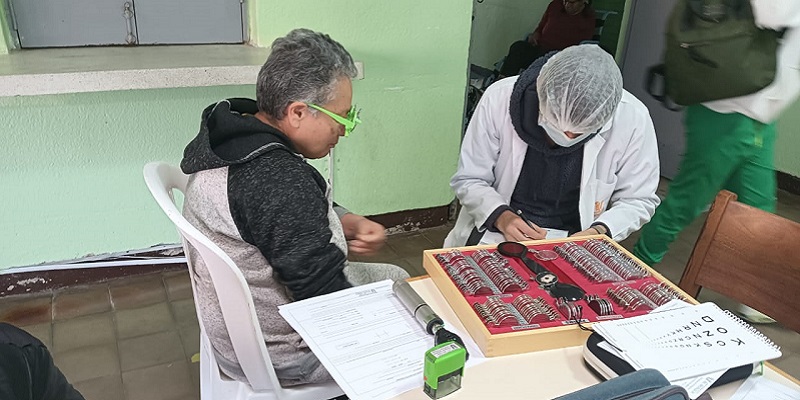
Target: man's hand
{"points": [[364, 237], [516, 230]]}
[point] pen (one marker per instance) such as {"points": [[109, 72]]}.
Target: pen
{"points": [[527, 221]]}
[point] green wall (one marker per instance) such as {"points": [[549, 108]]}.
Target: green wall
{"points": [[498, 23], [71, 169], [786, 158], [609, 37], [4, 36], [415, 62], [623, 30]]}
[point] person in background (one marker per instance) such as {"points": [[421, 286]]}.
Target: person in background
{"points": [[730, 144], [252, 192], [565, 23], [27, 371], [563, 145]]}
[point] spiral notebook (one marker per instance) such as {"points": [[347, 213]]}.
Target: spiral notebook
{"points": [[688, 341]]}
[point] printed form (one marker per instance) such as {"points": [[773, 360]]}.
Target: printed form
{"points": [[757, 387], [366, 339]]}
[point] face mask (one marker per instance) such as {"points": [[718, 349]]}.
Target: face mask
{"points": [[559, 137]]}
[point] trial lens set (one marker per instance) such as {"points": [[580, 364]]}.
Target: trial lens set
{"points": [[567, 283]]}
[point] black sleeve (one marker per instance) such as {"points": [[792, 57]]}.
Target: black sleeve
{"points": [[608, 231], [27, 370], [278, 204], [489, 224]]}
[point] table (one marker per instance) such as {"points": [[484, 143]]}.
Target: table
{"points": [[532, 376]]}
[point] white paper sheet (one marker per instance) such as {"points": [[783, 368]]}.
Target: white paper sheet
{"points": [[757, 387], [497, 237], [694, 386], [555, 233], [367, 340]]}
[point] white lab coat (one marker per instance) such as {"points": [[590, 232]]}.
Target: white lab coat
{"points": [[767, 104], [619, 176]]}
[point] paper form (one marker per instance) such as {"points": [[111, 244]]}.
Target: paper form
{"points": [[497, 237], [366, 339], [555, 233], [758, 387], [694, 386]]}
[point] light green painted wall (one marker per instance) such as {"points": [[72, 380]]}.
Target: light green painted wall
{"points": [[72, 164], [72, 169], [4, 33], [788, 143], [498, 23], [623, 31], [415, 61], [609, 37]]}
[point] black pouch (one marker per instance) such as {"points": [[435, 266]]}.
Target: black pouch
{"points": [[646, 384]]}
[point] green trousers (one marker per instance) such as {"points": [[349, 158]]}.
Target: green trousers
{"points": [[723, 151]]}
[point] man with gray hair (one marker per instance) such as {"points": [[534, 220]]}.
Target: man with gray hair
{"points": [[253, 194], [560, 150]]}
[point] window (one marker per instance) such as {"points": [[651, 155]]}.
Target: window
{"points": [[68, 23]]}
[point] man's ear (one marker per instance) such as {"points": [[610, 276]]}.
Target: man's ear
{"points": [[296, 111]]}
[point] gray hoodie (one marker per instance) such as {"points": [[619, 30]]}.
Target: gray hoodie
{"points": [[270, 211]]}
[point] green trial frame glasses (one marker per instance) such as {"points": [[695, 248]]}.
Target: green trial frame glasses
{"points": [[349, 123]]}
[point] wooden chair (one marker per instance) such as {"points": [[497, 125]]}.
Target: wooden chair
{"points": [[749, 255]]}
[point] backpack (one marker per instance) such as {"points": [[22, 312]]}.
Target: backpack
{"points": [[714, 50]]}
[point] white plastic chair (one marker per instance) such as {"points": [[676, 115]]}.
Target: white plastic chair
{"points": [[237, 306]]}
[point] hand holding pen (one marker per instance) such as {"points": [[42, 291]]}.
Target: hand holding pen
{"points": [[539, 231], [516, 227]]}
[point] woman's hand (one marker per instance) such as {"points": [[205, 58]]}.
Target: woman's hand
{"points": [[514, 229]]}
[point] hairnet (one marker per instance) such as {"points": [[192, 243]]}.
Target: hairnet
{"points": [[579, 89]]}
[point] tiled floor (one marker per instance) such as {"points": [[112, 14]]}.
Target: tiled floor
{"points": [[128, 339], [133, 338]]}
